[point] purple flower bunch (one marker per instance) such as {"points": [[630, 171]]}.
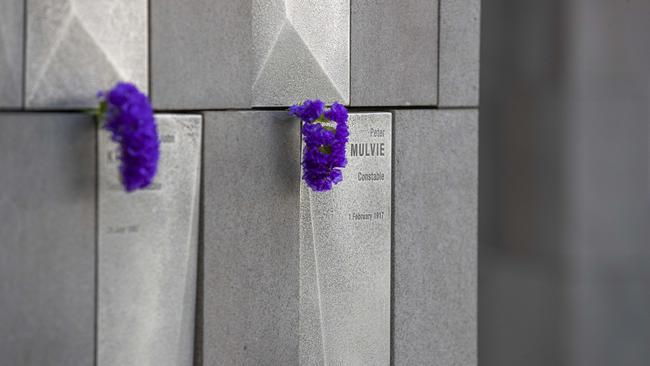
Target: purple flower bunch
{"points": [[324, 151], [129, 117]]}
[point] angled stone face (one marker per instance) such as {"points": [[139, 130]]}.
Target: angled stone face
{"points": [[435, 228], [11, 53], [394, 52], [201, 54], [250, 239], [74, 49], [459, 52], [47, 245], [345, 255], [301, 50], [148, 242]]}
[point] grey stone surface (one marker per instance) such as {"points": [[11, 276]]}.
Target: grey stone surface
{"points": [[435, 234], [459, 52], [77, 47], [147, 252], [47, 245], [251, 239], [201, 55], [345, 255], [11, 53], [394, 52], [299, 52]]}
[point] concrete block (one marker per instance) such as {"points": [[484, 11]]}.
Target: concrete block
{"points": [[76, 48], [394, 52], [250, 244], [201, 54], [47, 250], [460, 38], [435, 233], [301, 50]]}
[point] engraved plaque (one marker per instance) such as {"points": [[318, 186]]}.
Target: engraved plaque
{"points": [[76, 47], [301, 50], [345, 246], [148, 252]]}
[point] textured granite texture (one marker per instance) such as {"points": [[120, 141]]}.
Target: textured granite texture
{"points": [[301, 50], [459, 52], [394, 52], [47, 245], [345, 256], [11, 53], [201, 54], [250, 239], [74, 49], [147, 252], [435, 205]]}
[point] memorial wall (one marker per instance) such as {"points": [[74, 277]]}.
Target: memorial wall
{"points": [[229, 257]]}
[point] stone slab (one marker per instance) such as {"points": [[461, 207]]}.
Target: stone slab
{"points": [[147, 252], [250, 238], [460, 38], [74, 49], [47, 250], [299, 53], [435, 237], [11, 53], [394, 52], [345, 255], [201, 54]]}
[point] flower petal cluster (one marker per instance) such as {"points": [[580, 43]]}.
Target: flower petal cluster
{"points": [[130, 119], [324, 151]]}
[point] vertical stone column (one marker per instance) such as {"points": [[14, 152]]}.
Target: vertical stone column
{"points": [[147, 252], [435, 235], [47, 245], [11, 53]]}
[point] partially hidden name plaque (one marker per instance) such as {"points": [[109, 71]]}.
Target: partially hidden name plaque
{"points": [[345, 255], [147, 252]]}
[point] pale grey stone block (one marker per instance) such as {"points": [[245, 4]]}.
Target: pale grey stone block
{"points": [[345, 255], [76, 48], [201, 55], [460, 39], [394, 52], [47, 245], [250, 239], [11, 53], [301, 50], [147, 250], [435, 234]]}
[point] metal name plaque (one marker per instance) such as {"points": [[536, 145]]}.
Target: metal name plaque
{"points": [[147, 252], [345, 249]]}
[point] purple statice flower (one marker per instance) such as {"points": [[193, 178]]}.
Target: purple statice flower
{"points": [[129, 117], [308, 111], [324, 151]]}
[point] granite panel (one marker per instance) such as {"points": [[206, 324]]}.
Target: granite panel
{"points": [[435, 234], [250, 239], [11, 53], [460, 39], [47, 246], [78, 47], [394, 52], [345, 255], [201, 54], [299, 53], [147, 252]]}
